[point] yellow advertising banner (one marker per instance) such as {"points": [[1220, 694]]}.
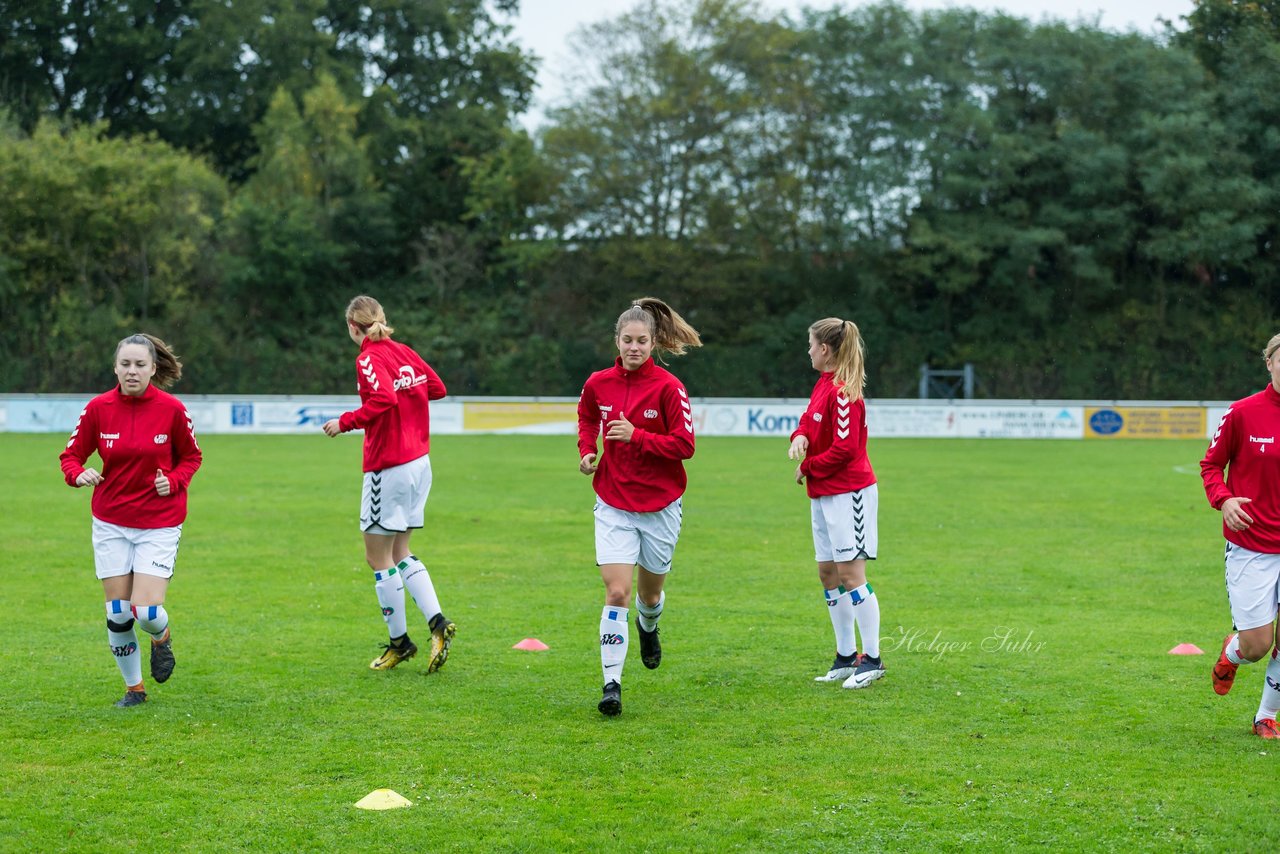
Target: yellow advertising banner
{"points": [[1144, 422], [516, 417]]}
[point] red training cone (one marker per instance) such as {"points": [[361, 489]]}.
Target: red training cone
{"points": [[531, 644]]}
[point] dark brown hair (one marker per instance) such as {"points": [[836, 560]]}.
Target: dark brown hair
{"points": [[168, 367]]}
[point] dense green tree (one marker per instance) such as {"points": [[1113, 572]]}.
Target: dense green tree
{"points": [[302, 238], [1238, 43], [98, 237], [1080, 213]]}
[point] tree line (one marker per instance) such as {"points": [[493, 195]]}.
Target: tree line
{"points": [[1079, 213]]}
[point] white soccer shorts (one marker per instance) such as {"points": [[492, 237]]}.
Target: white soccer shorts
{"points": [[118, 550], [844, 525], [393, 500], [1253, 586], [648, 539]]}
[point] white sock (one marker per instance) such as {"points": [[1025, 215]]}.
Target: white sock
{"points": [[124, 641], [1270, 705], [152, 619], [390, 590], [866, 613], [1232, 650], [647, 615], [418, 580], [840, 609], [613, 642]]}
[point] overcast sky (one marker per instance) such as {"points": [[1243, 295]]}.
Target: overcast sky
{"points": [[544, 26]]}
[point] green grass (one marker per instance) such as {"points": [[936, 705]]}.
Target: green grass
{"points": [[1081, 733]]}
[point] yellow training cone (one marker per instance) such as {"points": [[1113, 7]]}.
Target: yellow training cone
{"points": [[383, 799]]}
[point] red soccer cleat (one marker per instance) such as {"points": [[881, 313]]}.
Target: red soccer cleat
{"points": [[1224, 672], [1266, 728]]}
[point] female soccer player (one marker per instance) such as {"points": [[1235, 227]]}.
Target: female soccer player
{"points": [[638, 477], [395, 386], [831, 444], [1249, 498], [149, 454]]}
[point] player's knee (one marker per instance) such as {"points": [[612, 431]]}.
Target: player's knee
{"points": [[1254, 650], [151, 618], [619, 597]]}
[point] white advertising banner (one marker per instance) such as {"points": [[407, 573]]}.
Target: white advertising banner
{"points": [[712, 417], [279, 416], [1010, 421], [307, 415]]}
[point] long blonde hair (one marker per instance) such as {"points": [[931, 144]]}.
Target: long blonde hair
{"points": [[366, 313], [1271, 347], [850, 354], [671, 332], [168, 367]]}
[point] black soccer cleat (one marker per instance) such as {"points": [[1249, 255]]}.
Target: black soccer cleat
{"points": [[611, 702], [162, 661], [131, 698], [650, 647]]}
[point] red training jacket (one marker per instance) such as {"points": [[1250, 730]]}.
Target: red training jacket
{"points": [[836, 427], [647, 473], [134, 436], [1246, 443], [395, 385]]}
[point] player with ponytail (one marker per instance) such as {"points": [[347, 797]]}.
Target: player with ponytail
{"points": [[149, 453], [395, 387], [638, 477], [831, 445]]}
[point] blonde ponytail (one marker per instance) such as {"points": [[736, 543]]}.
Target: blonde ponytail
{"points": [[849, 354], [367, 315]]}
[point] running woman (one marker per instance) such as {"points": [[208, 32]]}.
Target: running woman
{"points": [[1241, 472], [639, 478], [395, 386], [831, 445], [149, 454]]}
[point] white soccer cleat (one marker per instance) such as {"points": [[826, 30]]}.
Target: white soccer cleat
{"points": [[868, 670], [842, 668]]}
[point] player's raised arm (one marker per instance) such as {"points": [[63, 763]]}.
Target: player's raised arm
{"points": [[396, 386]]}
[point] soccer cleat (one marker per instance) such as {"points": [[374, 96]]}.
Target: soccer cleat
{"points": [[611, 702], [650, 647], [393, 655], [1263, 728], [868, 670], [137, 698], [842, 668], [442, 632], [162, 659], [1224, 672]]}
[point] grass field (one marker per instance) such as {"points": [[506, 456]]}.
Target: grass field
{"points": [[1030, 592]]}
